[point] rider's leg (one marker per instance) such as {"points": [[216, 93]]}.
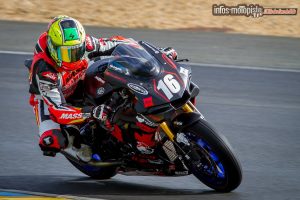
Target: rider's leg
{"points": [[52, 138]]}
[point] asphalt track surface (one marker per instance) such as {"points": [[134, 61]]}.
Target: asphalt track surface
{"points": [[257, 110]]}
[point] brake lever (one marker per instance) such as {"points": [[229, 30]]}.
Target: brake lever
{"points": [[182, 60]]}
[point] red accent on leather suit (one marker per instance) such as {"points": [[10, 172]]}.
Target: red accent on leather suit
{"points": [[52, 86]]}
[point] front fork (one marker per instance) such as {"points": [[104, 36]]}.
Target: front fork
{"points": [[187, 108], [179, 140]]}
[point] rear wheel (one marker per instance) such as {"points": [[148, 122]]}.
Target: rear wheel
{"points": [[212, 160], [100, 173]]}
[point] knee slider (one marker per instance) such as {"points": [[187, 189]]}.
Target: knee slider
{"points": [[52, 140]]}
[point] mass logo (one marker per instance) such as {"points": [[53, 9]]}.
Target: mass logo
{"points": [[71, 116]]}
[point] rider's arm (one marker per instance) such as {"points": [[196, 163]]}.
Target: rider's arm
{"points": [[102, 46], [48, 84]]}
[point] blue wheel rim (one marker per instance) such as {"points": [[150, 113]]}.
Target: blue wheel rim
{"points": [[220, 168]]}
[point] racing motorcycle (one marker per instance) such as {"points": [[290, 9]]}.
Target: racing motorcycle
{"points": [[155, 127]]}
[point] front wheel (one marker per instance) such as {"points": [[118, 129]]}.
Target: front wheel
{"points": [[211, 158]]}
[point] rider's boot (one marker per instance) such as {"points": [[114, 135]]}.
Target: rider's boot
{"points": [[83, 152]]}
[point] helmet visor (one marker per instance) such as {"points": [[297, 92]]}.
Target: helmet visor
{"points": [[70, 53]]}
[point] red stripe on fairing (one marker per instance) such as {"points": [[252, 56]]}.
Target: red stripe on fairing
{"points": [[154, 83], [145, 128], [115, 77], [172, 64], [169, 61]]}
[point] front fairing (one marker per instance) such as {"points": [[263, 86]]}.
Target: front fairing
{"points": [[156, 80]]}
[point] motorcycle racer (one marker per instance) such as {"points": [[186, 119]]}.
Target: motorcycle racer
{"points": [[61, 57]]}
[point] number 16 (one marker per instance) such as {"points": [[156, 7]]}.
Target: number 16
{"points": [[169, 85]]}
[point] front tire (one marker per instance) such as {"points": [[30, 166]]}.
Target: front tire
{"points": [[213, 161]]}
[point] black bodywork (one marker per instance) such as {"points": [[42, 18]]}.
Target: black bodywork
{"points": [[134, 81], [139, 67]]}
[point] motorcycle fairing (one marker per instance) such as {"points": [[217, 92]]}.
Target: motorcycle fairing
{"points": [[96, 87], [159, 83]]}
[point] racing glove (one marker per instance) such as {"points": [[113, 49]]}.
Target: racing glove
{"points": [[170, 52], [101, 112]]}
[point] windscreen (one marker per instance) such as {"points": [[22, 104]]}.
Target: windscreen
{"points": [[136, 59]]}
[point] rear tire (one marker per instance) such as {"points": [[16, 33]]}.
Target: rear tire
{"points": [[94, 172], [220, 152]]}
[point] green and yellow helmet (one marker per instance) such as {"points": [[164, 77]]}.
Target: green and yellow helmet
{"points": [[66, 41]]}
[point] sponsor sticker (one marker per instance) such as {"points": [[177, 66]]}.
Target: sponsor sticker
{"points": [[44, 87], [142, 119], [137, 88], [120, 70], [99, 79], [184, 71], [50, 75], [71, 116], [100, 91], [148, 102], [144, 148]]}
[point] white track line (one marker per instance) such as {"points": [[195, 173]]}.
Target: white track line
{"points": [[245, 67], [16, 52], [49, 195], [198, 64]]}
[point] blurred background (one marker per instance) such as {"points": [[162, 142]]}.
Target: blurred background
{"points": [[153, 14]]}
